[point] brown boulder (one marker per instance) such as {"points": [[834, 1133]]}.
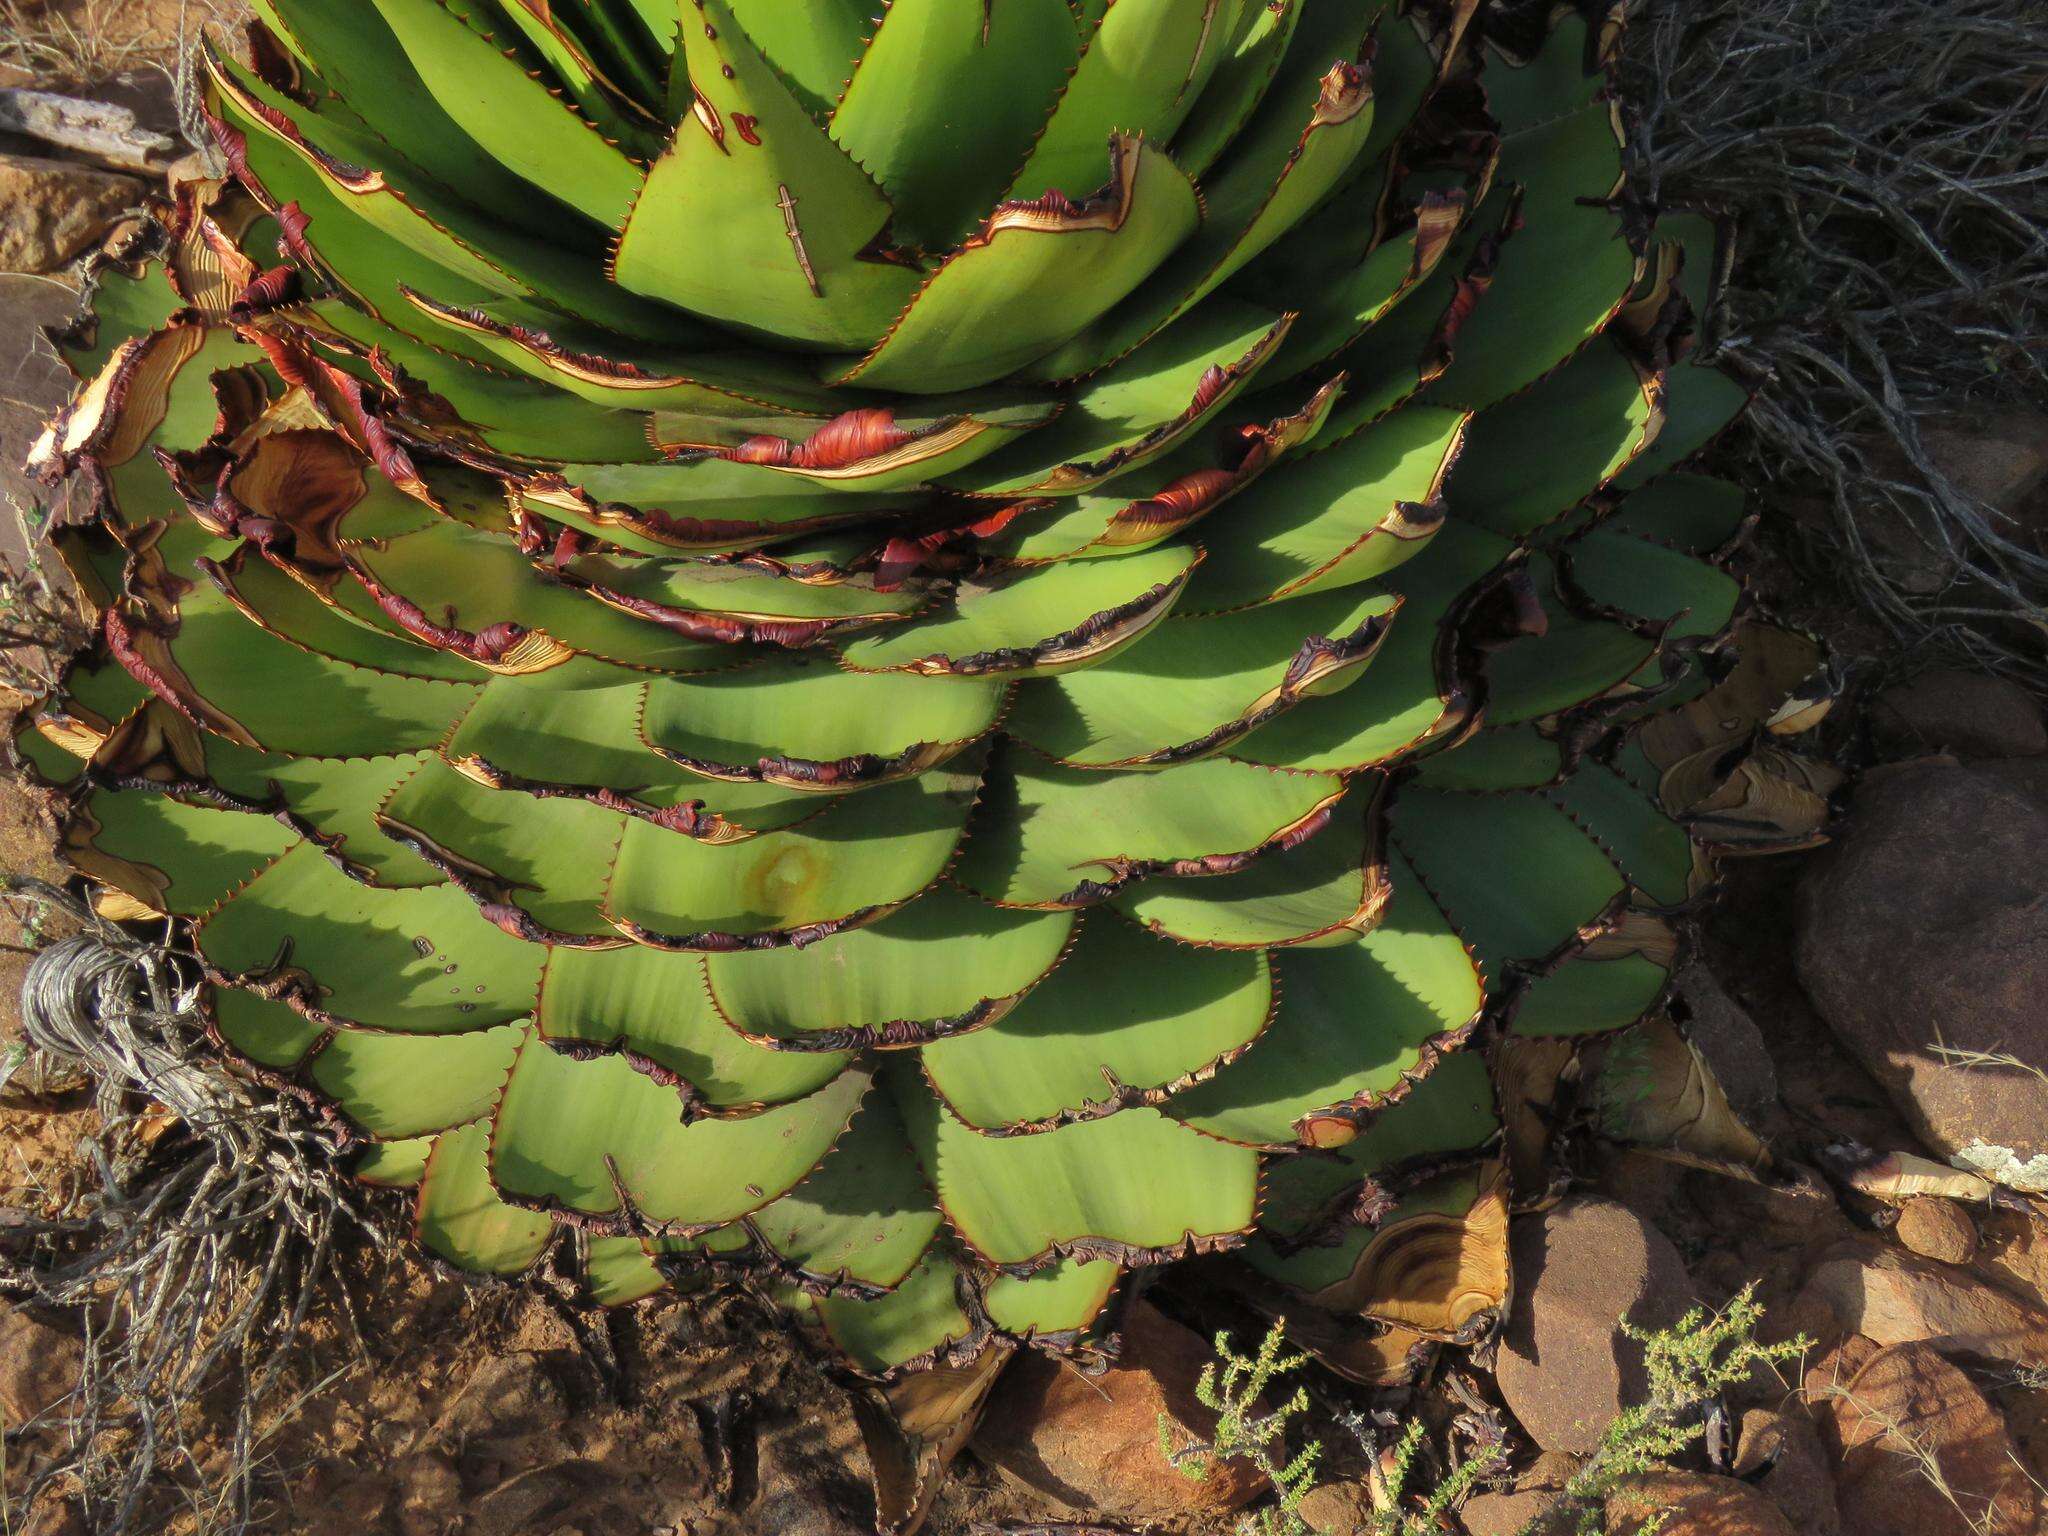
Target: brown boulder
{"points": [[1998, 458], [429, 1494], [1093, 1442], [1922, 934], [28, 841], [52, 210], [1565, 1367], [1937, 1228], [359, 1503], [1505, 1514], [1341, 1508], [2014, 1252], [534, 1500], [33, 383], [39, 1367], [2001, 459], [53, 1516], [1972, 714], [2024, 1405], [1696, 1504], [1897, 1298], [1919, 1451], [1783, 1446], [1724, 1033]]}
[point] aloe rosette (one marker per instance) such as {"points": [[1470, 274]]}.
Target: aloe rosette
{"points": [[931, 655]]}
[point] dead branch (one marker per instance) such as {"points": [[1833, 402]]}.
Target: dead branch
{"points": [[106, 132], [1881, 158], [199, 1257]]}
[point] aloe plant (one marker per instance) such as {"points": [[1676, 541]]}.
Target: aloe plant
{"points": [[929, 656]]}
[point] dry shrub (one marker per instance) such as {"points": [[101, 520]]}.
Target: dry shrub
{"points": [[1882, 160], [195, 1256]]}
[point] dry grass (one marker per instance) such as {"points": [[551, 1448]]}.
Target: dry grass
{"points": [[1882, 160], [1958, 1056], [78, 45], [1979, 1512], [195, 1258], [40, 626], [83, 43]]}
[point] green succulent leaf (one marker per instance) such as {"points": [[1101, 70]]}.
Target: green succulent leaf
{"points": [[875, 986], [649, 559], [1036, 272], [862, 858], [804, 725], [1410, 985], [599, 1137], [1140, 72], [1350, 512], [402, 1086], [460, 1215], [1130, 1188], [513, 117], [1085, 1044], [919, 1317], [864, 1216], [1061, 837], [944, 101], [1325, 890], [1449, 1111], [654, 1009], [1035, 622], [1201, 682]]}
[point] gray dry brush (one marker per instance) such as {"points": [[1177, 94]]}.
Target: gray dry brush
{"points": [[195, 1261], [1882, 160]]}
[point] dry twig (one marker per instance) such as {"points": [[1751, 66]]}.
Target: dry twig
{"points": [[199, 1257], [1882, 158]]}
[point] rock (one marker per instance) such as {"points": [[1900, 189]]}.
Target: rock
{"points": [[1832, 1367], [1729, 1039], [28, 844], [508, 1394], [1342, 1508], [429, 1495], [1925, 927], [2024, 1407], [1937, 1229], [33, 384], [804, 1493], [151, 94], [1565, 1368], [528, 1502], [1696, 1504], [1550, 1469], [39, 1366], [1504, 1514], [1906, 544], [2014, 1253], [56, 1517], [1896, 1298], [1969, 713], [359, 1503], [1798, 1479], [2001, 459], [51, 211], [1919, 1452], [1093, 1442]]}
